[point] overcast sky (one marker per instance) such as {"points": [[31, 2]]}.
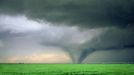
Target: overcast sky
{"points": [[66, 31]]}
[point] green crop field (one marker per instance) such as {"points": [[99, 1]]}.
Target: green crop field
{"points": [[66, 69]]}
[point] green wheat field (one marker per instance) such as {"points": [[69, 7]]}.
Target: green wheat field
{"points": [[66, 69]]}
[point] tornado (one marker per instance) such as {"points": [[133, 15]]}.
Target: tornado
{"points": [[78, 56], [84, 53]]}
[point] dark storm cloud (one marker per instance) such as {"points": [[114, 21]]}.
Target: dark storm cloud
{"points": [[116, 16], [11, 6], [87, 13]]}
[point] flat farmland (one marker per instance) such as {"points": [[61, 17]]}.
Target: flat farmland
{"points": [[66, 69]]}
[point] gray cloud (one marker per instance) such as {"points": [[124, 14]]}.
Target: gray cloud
{"points": [[4, 34], [114, 17], [88, 13], [111, 56], [112, 39], [38, 35]]}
